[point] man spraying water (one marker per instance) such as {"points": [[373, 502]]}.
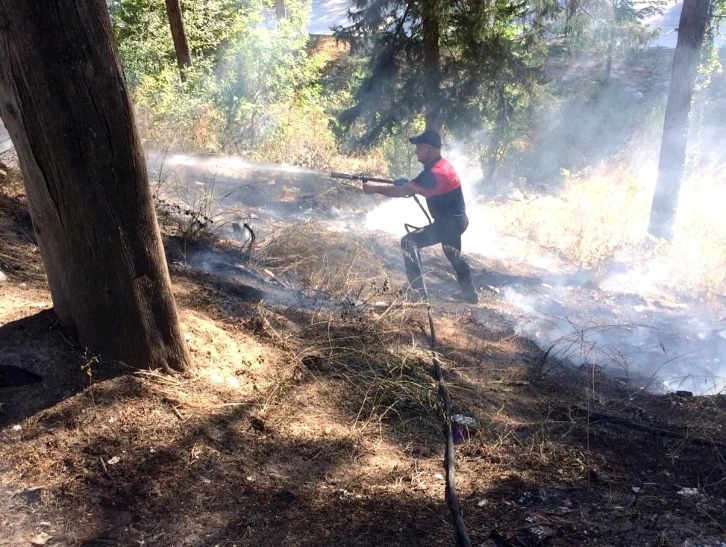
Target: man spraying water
{"points": [[440, 185]]}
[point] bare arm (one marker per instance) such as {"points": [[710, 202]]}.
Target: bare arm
{"points": [[388, 190]]}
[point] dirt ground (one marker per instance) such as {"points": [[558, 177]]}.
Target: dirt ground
{"points": [[312, 420]]}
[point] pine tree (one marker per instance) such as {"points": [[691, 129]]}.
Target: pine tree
{"points": [[464, 65], [67, 110], [611, 26]]}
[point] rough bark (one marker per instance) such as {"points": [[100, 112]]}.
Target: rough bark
{"points": [[64, 101], [431, 14], [179, 36], [280, 9], [691, 32]]}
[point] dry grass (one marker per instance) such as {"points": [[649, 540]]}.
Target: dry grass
{"points": [[588, 222], [189, 208], [315, 426], [372, 375], [598, 221], [18, 252], [332, 262], [694, 261]]}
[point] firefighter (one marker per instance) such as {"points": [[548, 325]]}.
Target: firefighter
{"points": [[441, 186]]}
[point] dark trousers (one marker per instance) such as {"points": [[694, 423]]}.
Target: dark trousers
{"points": [[446, 231]]}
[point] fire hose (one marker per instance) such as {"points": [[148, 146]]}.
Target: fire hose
{"points": [[450, 494]]}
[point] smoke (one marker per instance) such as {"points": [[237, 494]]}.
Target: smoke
{"points": [[656, 345], [628, 317], [589, 282]]}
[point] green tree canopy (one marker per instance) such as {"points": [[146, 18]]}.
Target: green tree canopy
{"points": [[490, 56]]}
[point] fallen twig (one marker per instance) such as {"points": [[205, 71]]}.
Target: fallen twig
{"points": [[105, 469]]}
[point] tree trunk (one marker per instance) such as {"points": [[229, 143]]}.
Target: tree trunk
{"points": [[64, 101], [181, 45], [609, 63], [280, 9], [497, 144], [691, 31], [431, 14]]}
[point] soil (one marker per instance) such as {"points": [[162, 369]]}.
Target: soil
{"points": [[311, 419]]}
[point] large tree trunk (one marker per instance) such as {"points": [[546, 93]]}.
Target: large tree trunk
{"points": [[181, 45], [431, 14], [64, 101], [280, 9], [691, 31]]}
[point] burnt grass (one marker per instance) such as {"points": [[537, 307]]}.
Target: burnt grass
{"points": [[324, 430]]}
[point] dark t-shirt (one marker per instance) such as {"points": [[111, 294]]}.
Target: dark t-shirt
{"points": [[441, 187]]}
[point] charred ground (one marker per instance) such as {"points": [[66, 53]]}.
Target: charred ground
{"points": [[311, 418]]}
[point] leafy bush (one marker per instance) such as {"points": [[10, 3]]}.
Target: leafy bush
{"points": [[252, 86], [262, 71], [175, 114]]}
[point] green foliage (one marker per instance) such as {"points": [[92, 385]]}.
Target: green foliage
{"points": [[718, 8], [171, 112], [490, 58], [398, 151], [611, 26], [142, 31], [249, 77], [267, 90], [168, 110], [268, 67], [710, 61], [491, 62]]}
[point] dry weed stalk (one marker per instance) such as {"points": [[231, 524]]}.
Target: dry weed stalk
{"points": [[369, 367], [381, 373], [333, 263], [582, 345]]}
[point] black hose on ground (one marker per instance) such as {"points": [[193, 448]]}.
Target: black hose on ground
{"points": [[451, 496]]}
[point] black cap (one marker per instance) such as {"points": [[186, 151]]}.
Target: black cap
{"points": [[427, 137]]}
